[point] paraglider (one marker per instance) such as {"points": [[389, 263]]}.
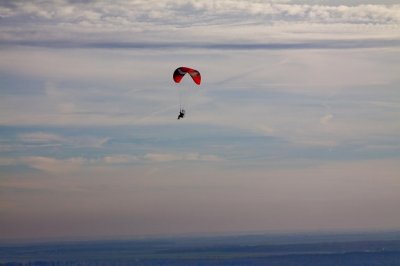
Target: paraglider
{"points": [[178, 75], [181, 114]]}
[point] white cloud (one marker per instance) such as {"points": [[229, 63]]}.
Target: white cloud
{"points": [[168, 157], [326, 119], [162, 157], [266, 130], [182, 20], [119, 159]]}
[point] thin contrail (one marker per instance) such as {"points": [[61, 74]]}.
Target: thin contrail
{"points": [[247, 73]]}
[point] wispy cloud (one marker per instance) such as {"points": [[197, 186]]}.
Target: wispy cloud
{"points": [[74, 164], [41, 137], [54, 139], [119, 159], [52, 165], [169, 157], [326, 119]]}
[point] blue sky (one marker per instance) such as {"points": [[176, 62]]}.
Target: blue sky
{"points": [[294, 127]]}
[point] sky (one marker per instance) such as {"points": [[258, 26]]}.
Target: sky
{"points": [[294, 128]]}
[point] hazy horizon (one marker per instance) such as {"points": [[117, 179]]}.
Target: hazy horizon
{"points": [[295, 127]]}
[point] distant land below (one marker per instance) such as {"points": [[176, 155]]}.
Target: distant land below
{"points": [[359, 248]]}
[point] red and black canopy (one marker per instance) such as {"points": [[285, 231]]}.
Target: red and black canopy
{"points": [[181, 71]]}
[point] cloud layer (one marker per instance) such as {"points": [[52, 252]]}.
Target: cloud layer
{"points": [[214, 21]]}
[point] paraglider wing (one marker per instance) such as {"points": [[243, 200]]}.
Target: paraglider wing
{"points": [[181, 71]]}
